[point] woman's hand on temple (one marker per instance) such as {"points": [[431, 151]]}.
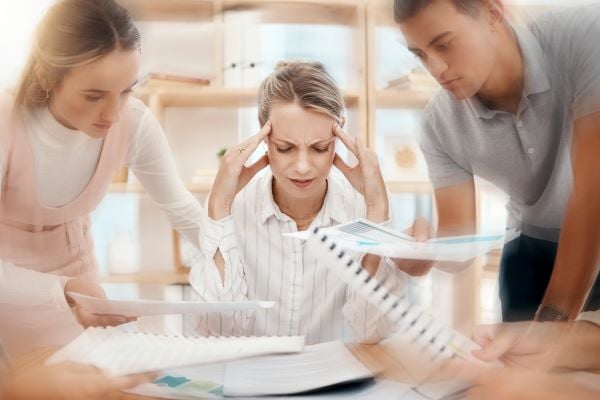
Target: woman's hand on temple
{"points": [[233, 175], [365, 177]]}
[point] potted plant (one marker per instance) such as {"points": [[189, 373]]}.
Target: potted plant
{"points": [[221, 153]]}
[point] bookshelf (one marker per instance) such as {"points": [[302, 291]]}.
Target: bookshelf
{"points": [[164, 98], [364, 97], [361, 100]]}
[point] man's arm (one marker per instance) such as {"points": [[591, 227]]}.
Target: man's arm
{"points": [[577, 261], [457, 215], [457, 211]]}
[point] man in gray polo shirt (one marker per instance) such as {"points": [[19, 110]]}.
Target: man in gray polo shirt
{"points": [[521, 109]]}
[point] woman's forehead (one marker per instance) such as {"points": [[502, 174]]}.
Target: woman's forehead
{"points": [[294, 123]]}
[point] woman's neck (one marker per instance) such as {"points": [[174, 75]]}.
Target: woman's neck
{"points": [[302, 210]]}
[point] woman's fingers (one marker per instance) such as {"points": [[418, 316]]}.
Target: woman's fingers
{"points": [[247, 148], [349, 141]]}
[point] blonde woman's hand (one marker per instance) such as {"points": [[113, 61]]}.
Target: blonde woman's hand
{"points": [[365, 177], [233, 175], [85, 317], [68, 381]]}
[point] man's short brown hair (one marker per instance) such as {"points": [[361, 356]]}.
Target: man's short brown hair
{"points": [[406, 9]]}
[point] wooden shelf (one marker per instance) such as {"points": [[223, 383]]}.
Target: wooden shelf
{"points": [[279, 11], [204, 188], [210, 96], [157, 278], [392, 98], [170, 10], [198, 188], [420, 187], [318, 12]]}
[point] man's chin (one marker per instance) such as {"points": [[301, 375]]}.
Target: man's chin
{"points": [[460, 94]]}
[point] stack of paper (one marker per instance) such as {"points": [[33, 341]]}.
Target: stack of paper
{"points": [[318, 367], [122, 353]]}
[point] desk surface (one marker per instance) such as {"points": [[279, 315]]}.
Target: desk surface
{"points": [[374, 357]]}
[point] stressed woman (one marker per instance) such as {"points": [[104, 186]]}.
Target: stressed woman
{"points": [[244, 252], [70, 126]]}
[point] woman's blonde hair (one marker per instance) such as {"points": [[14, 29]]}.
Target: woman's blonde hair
{"points": [[304, 83], [72, 33]]}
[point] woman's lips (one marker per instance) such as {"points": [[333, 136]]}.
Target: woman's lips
{"points": [[103, 126], [302, 183]]}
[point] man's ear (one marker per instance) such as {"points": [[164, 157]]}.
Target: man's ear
{"points": [[494, 11]]}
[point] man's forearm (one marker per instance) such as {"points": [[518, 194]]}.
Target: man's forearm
{"points": [[576, 265]]}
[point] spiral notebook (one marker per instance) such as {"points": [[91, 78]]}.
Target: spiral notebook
{"points": [[121, 353], [421, 328]]}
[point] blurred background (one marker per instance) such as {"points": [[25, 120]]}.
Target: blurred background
{"points": [[202, 63]]}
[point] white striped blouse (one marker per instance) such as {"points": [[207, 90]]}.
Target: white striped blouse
{"points": [[262, 264]]}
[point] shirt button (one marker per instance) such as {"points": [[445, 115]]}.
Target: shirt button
{"points": [[519, 124], [531, 150]]}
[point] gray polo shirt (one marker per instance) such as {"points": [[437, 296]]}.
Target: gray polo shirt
{"points": [[526, 154]]}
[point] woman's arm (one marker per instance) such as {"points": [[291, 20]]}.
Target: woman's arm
{"points": [[218, 275], [150, 159]]}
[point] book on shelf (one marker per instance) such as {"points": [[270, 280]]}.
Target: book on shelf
{"points": [[153, 79], [417, 79]]}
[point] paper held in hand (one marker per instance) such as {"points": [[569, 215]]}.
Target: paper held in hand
{"points": [[138, 308], [365, 236]]}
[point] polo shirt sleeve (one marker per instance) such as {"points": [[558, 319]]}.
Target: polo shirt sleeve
{"points": [[586, 65], [443, 170]]}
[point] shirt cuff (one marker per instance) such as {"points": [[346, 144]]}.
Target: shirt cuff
{"points": [[218, 235]]}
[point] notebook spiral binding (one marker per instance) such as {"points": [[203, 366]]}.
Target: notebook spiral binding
{"points": [[420, 327]]}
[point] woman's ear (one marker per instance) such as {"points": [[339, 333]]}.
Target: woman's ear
{"points": [[343, 122]]}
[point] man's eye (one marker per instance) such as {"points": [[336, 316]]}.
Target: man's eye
{"points": [[420, 56], [443, 46], [93, 99]]}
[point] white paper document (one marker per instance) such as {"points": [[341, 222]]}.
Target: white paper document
{"points": [[318, 366], [138, 308], [316, 373], [368, 237], [122, 353]]}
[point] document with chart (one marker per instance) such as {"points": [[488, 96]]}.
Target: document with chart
{"points": [[365, 236]]}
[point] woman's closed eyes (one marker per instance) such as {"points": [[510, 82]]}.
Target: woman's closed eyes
{"points": [[319, 150]]}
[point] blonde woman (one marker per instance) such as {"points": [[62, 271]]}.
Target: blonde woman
{"points": [[244, 252], [69, 128]]}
